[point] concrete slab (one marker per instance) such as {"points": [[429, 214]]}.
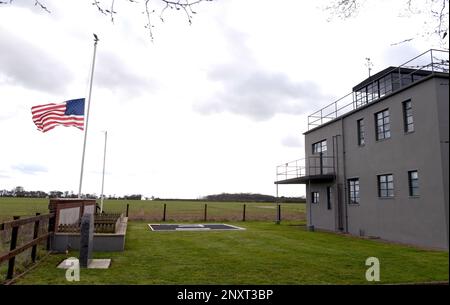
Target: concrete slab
{"points": [[193, 227], [93, 264], [69, 262], [99, 263]]}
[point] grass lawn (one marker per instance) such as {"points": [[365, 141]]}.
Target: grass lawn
{"points": [[264, 253]]}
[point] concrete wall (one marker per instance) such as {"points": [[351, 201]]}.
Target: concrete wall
{"points": [[442, 89], [318, 214], [421, 220], [103, 242]]}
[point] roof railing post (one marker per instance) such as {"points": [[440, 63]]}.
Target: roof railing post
{"points": [[432, 62], [286, 171]]}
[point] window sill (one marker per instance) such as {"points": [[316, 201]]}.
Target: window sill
{"points": [[382, 140], [386, 198], [414, 197], [409, 132]]}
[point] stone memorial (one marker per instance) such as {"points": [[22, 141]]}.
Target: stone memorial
{"points": [[86, 239]]}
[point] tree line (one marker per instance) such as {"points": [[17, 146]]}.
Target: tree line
{"points": [[250, 197], [20, 192]]}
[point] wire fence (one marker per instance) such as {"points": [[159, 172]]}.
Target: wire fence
{"points": [[214, 211]]}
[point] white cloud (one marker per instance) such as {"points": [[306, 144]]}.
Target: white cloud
{"points": [[28, 65], [292, 141], [271, 61], [29, 169]]}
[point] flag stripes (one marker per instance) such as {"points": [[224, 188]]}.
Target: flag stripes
{"points": [[69, 113]]}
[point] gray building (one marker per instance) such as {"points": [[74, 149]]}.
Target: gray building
{"points": [[376, 160]]}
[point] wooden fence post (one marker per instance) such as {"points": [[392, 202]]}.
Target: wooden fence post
{"points": [[243, 213], [128, 206], [35, 235], [12, 260], [164, 213], [206, 209], [51, 228], [278, 214]]}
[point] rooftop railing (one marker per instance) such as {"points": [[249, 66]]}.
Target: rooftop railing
{"points": [[393, 80]]}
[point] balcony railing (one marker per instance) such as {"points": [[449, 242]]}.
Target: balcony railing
{"points": [[311, 166], [411, 71]]}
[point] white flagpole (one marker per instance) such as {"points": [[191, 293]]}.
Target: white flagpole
{"points": [[87, 115], [103, 177]]}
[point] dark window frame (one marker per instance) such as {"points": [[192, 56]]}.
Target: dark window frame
{"points": [[384, 190], [382, 125], [328, 197], [407, 113], [413, 188], [361, 130], [353, 191], [315, 199], [323, 147]]}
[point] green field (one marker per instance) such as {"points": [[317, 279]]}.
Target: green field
{"points": [[175, 210], [264, 253]]}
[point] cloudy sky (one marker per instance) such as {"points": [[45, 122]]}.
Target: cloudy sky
{"points": [[205, 108]]}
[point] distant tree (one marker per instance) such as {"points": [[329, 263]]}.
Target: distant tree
{"points": [[150, 9], [435, 11], [55, 194], [41, 194], [90, 196], [250, 197], [133, 197], [19, 191]]}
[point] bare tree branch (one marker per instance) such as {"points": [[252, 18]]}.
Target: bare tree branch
{"points": [[344, 8], [435, 11], [148, 6]]}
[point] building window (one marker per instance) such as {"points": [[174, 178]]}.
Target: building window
{"points": [[329, 197], [315, 197], [413, 181], [353, 191], [386, 186], [319, 147], [385, 85], [408, 116], [372, 91], [361, 132], [382, 125]]}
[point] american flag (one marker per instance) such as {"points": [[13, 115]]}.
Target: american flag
{"points": [[69, 113]]}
